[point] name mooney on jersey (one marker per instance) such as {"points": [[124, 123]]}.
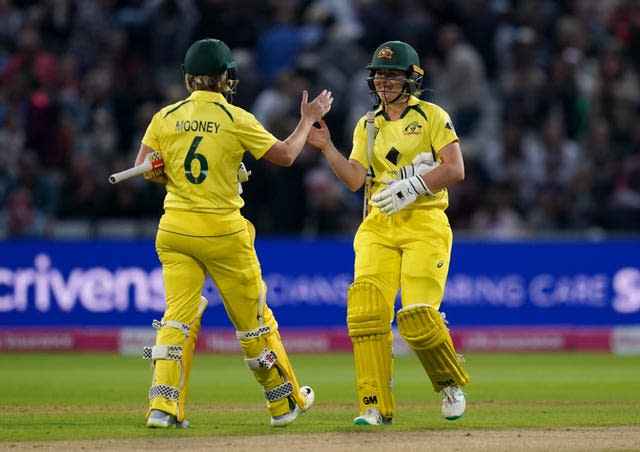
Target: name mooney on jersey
{"points": [[197, 126]]}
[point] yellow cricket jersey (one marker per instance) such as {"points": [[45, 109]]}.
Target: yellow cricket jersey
{"points": [[202, 140], [423, 127]]}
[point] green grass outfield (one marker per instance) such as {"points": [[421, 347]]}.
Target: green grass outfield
{"points": [[57, 396]]}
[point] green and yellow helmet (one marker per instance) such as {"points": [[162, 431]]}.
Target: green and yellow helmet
{"points": [[396, 56], [211, 57]]}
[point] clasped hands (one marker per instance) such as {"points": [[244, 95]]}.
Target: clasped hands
{"points": [[407, 187]]}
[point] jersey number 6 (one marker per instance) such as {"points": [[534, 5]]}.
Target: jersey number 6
{"points": [[191, 156]]}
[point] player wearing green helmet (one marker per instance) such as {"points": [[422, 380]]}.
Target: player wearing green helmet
{"points": [[202, 233], [404, 242], [396, 56], [209, 64]]}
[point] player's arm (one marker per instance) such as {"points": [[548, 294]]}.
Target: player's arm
{"points": [[142, 153], [154, 176], [449, 171], [349, 171], [284, 153]]}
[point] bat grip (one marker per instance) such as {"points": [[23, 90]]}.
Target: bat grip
{"points": [[131, 172]]}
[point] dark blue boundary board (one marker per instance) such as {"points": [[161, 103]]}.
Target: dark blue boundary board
{"points": [[119, 283]]}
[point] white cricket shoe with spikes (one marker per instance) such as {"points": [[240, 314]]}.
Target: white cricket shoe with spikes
{"points": [[160, 419], [453, 403], [287, 418], [371, 416]]}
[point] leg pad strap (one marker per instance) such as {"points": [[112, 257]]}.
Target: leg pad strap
{"points": [[264, 360], [252, 334], [173, 352], [159, 324], [279, 392], [170, 392]]}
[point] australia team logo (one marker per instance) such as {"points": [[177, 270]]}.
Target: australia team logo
{"points": [[385, 53], [413, 128]]}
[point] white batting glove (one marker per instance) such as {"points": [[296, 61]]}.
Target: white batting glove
{"points": [[399, 194], [421, 165], [243, 176]]}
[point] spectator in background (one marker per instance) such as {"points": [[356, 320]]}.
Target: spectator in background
{"points": [[90, 32], [329, 62], [616, 96], [332, 209], [82, 195], [271, 202], [582, 207], [552, 158], [552, 161], [566, 100], [603, 162], [21, 218], [12, 140], [621, 21], [498, 219], [229, 18], [625, 202], [277, 46], [460, 83], [173, 23], [280, 100], [32, 79], [523, 84], [248, 72], [480, 21], [31, 200]]}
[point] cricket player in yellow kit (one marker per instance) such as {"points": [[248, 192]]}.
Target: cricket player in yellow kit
{"points": [[202, 140], [404, 242]]}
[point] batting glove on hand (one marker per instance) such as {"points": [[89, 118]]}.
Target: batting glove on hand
{"points": [[243, 176], [399, 194], [156, 174], [421, 165]]}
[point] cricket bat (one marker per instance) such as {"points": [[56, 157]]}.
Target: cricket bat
{"points": [[152, 162]]}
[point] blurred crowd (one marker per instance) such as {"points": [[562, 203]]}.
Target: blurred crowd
{"points": [[545, 96]]}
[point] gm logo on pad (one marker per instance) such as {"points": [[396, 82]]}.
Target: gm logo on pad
{"points": [[370, 400]]}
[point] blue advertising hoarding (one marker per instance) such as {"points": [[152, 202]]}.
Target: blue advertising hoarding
{"points": [[119, 283]]}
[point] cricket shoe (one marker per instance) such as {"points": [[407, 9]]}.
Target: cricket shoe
{"points": [[160, 419], [453, 403], [372, 416], [287, 418]]}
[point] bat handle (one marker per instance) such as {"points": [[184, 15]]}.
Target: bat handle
{"points": [[131, 172]]}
